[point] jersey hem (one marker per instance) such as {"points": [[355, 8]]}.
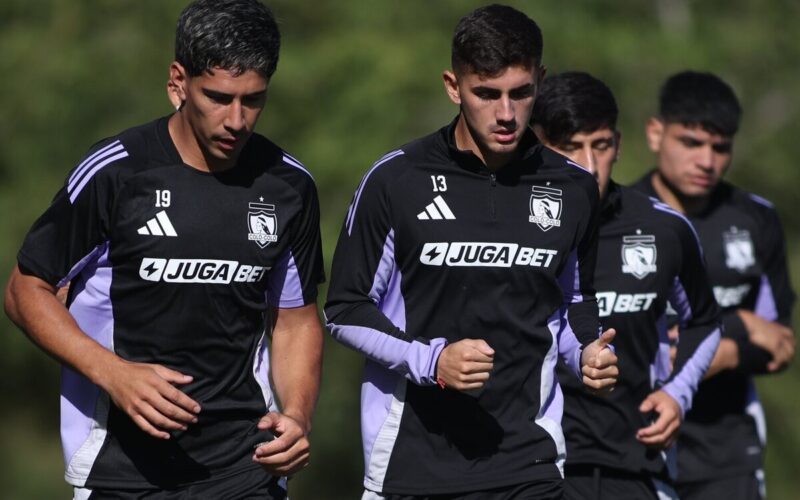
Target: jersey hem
{"points": [[121, 484], [537, 472]]}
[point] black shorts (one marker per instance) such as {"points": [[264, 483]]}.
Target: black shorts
{"points": [[251, 484], [547, 489], [587, 482], [742, 487]]}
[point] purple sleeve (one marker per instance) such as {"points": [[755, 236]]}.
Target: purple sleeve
{"points": [[293, 280], [693, 300], [365, 309]]}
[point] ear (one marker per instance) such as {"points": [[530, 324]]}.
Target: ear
{"points": [[617, 144], [176, 85], [539, 132], [541, 72], [654, 130], [451, 86]]}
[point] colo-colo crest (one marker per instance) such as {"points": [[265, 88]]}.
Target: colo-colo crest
{"points": [[545, 207], [262, 223], [739, 252], [639, 255]]}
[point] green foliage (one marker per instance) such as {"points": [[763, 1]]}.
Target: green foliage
{"points": [[356, 79]]}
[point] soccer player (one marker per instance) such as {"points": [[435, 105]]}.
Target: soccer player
{"points": [[721, 444], [187, 241], [465, 259], [647, 254]]}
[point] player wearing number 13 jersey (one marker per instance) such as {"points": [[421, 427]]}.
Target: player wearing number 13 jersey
{"points": [[465, 260]]}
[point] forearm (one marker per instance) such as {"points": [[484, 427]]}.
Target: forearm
{"points": [[33, 306], [296, 359], [725, 358], [695, 355], [366, 329]]}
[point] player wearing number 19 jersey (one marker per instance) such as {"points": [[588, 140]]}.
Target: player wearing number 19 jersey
{"points": [[187, 242], [647, 255]]}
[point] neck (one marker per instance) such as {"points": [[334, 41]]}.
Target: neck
{"points": [[182, 135], [672, 197], [465, 141]]}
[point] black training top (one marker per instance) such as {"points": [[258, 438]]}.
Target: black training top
{"points": [[175, 266], [746, 260], [648, 254], [436, 249]]}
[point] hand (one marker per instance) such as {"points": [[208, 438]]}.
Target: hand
{"points": [[599, 364], [663, 432], [289, 451], [465, 365], [773, 337], [147, 393]]}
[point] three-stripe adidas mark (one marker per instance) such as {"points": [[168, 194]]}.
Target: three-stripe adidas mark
{"points": [[158, 226], [436, 211]]}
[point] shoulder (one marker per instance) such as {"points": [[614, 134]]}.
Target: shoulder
{"points": [[266, 157], [396, 163], [112, 160], [560, 165], [661, 215], [748, 205]]}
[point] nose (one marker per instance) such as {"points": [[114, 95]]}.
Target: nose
{"points": [[234, 119], [588, 159], [705, 157], [505, 110]]}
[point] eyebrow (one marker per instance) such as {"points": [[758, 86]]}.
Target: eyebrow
{"points": [[217, 93], [483, 88]]}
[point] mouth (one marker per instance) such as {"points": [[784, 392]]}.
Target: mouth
{"points": [[703, 181], [504, 136], [227, 143]]}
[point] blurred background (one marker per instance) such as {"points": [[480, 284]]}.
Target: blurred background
{"points": [[355, 80]]}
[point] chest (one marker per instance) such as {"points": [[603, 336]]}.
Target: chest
{"points": [[731, 246], [636, 265], [445, 220], [178, 226]]}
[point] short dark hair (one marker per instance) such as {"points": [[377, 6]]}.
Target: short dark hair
{"points": [[692, 98], [573, 102], [493, 38], [235, 35]]}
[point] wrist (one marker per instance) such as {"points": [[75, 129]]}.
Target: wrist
{"points": [[300, 419]]}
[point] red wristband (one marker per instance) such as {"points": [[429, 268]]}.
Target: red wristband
{"points": [[440, 381]]}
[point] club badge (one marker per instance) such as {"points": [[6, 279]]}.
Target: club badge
{"points": [[545, 206], [639, 255], [262, 223], [738, 245]]}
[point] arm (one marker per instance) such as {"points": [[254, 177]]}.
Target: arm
{"points": [[69, 236], [580, 344], [147, 393], [364, 310], [296, 363], [761, 340], [698, 315], [771, 336]]}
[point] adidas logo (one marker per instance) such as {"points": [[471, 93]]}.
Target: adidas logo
{"points": [[158, 226], [437, 210]]}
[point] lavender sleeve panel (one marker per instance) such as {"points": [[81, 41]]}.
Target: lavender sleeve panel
{"points": [[765, 302], [679, 301], [684, 383], [415, 360], [284, 289], [569, 348]]}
